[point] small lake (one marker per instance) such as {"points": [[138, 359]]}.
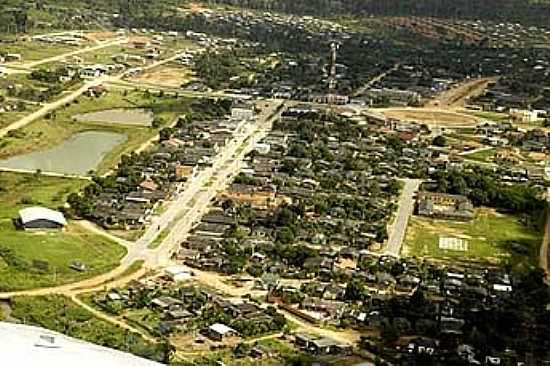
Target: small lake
{"points": [[77, 155], [120, 116]]}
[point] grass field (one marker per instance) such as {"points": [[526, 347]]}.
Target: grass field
{"points": [[46, 133], [34, 51], [57, 248], [492, 237], [483, 155]]}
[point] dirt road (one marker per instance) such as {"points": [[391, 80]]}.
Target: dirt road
{"points": [[33, 64], [49, 107], [456, 97]]}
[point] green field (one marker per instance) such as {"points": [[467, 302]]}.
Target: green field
{"points": [[34, 51], [20, 249], [492, 237], [46, 133], [483, 156]]}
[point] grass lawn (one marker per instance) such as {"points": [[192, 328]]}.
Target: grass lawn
{"points": [[492, 237], [57, 248], [483, 155], [46, 133], [491, 116], [160, 238]]}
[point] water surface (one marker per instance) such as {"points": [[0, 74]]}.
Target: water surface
{"points": [[78, 154]]}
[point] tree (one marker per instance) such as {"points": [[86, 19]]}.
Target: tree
{"points": [[440, 141], [389, 333]]}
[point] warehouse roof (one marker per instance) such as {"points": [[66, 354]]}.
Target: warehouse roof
{"points": [[41, 213]]}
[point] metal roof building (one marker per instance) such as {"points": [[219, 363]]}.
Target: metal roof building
{"points": [[41, 218], [30, 346]]}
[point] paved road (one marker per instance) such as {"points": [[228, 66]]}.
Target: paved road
{"points": [[405, 210], [181, 213]]}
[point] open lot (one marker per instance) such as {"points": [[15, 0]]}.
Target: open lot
{"points": [[34, 51], [19, 249], [491, 237], [430, 116], [47, 133], [172, 77]]}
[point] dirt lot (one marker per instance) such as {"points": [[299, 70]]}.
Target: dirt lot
{"points": [[430, 116], [167, 76], [100, 36]]}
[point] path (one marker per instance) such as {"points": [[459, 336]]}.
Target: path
{"points": [[111, 319], [47, 174], [374, 80], [33, 64], [399, 227], [348, 336]]}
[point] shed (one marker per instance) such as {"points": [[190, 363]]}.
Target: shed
{"points": [[41, 218]]}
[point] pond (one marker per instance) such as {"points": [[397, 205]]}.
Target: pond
{"points": [[77, 155], [122, 116]]}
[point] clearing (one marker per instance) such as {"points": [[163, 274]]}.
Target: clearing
{"points": [[490, 237], [430, 116], [54, 250], [170, 77]]}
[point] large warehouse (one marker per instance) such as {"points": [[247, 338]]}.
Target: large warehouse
{"points": [[41, 218], [29, 346]]}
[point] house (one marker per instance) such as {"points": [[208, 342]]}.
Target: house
{"points": [[257, 197], [321, 345], [445, 206], [219, 332], [242, 111], [96, 91], [40, 218], [178, 273], [186, 172]]}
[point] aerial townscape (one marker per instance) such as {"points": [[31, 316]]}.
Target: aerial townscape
{"points": [[275, 182]]}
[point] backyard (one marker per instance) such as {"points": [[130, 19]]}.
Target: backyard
{"points": [[39, 259], [490, 237]]}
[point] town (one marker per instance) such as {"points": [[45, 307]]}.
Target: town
{"points": [[223, 183]]}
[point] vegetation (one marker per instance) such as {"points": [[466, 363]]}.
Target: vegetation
{"points": [[38, 259], [57, 127], [59, 314], [492, 237], [482, 187]]}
